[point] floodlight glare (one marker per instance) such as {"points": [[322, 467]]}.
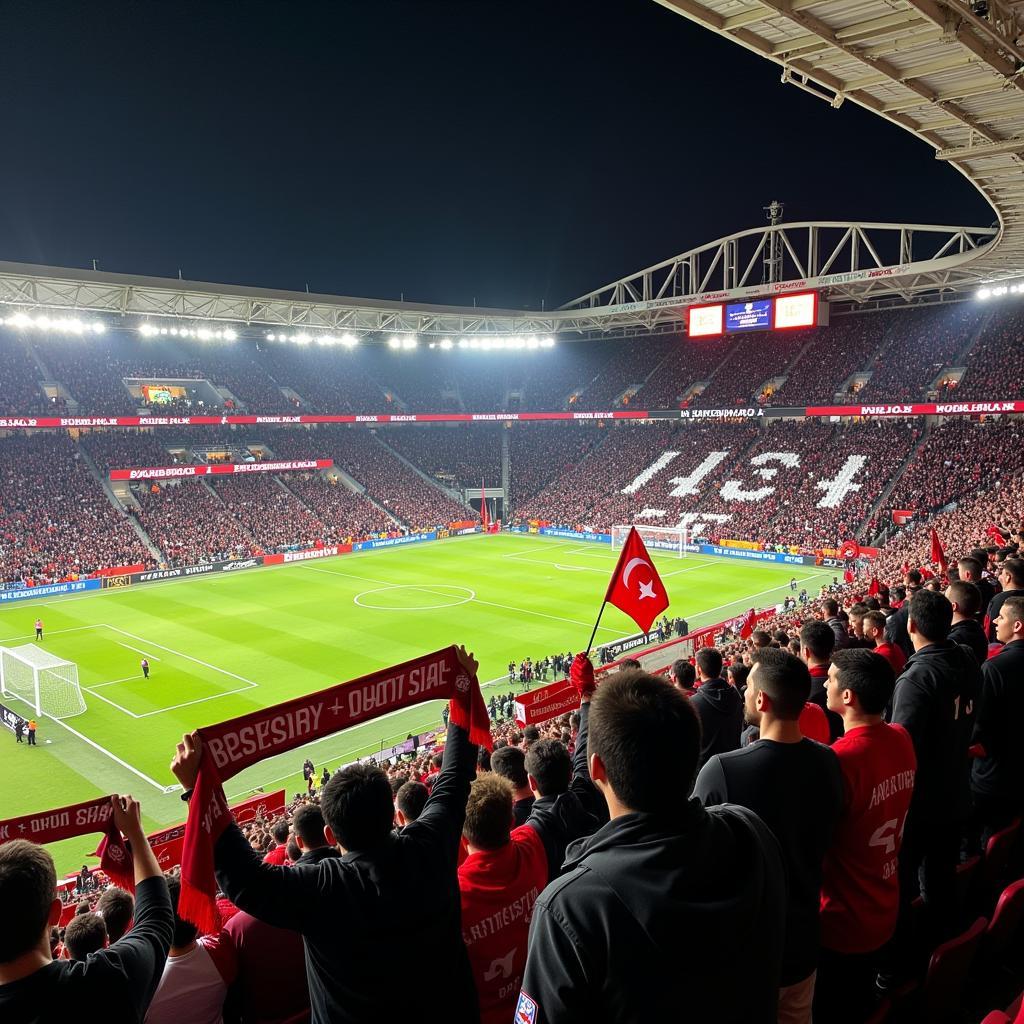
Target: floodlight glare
{"points": [[394, 342]]}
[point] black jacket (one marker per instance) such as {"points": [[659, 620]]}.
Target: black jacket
{"points": [[993, 609], [838, 627], [114, 985], [896, 628], [935, 701], [641, 927], [348, 909], [1000, 774], [970, 634], [720, 708], [565, 817], [318, 854]]}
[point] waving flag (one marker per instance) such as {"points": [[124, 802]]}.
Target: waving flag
{"points": [[635, 587], [938, 555], [995, 536], [484, 512], [744, 625]]}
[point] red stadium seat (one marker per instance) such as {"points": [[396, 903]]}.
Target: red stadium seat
{"points": [[948, 969], [998, 851], [1005, 921]]}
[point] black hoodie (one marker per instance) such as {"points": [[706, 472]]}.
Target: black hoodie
{"points": [[935, 701], [720, 708], [561, 818], [618, 938]]}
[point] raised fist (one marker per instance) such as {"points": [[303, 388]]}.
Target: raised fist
{"points": [[581, 675]]}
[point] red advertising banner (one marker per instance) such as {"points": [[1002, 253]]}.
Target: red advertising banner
{"points": [[167, 845], [217, 469], [907, 409]]}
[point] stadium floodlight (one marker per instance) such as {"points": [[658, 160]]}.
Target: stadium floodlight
{"points": [[463, 343], [446, 344], [53, 325], [349, 340], [394, 342]]}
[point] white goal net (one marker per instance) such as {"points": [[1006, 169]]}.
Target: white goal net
{"points": [[48, 683], [671, 540]]}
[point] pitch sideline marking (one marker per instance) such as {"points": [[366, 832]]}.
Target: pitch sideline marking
{"points": [[103, 750], [110, 682], [492, 604], [137, 650]]}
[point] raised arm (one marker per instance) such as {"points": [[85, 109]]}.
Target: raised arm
{"points": [[285, 897]]}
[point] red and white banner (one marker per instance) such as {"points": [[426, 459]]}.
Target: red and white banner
{"points": [[167, 844], [547, 702], [217, 469]]}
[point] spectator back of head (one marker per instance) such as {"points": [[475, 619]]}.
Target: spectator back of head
{"points": [[488, 813], [547, 762], [85, 934], [357, 807], [510, 763], [931, 616], [411, 800], [709, 662], [684, 675], [867, 675], [281, 832], [646, 737], [966, 596], [28, 889], [308, 825], [817, 639], [783, 678], [116, 908]]}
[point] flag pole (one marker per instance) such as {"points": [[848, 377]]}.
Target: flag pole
{"points": [[596, 624]]}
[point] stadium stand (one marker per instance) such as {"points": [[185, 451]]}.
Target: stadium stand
{"points": [[268, 512], [463, 455], [189, 524], [685, 364], [55, 521], [996, 363], [21, 392], [541, 452], [757, 359]]}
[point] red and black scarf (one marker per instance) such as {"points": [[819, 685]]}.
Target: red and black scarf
{"points": [[231, 747], [78, 820]]}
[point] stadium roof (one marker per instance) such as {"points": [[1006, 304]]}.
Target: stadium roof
{"points": [[951, 73]]}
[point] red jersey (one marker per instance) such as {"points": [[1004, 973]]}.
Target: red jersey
{"points": [[814, 724], [860, 885], [278, 855], [893, 654], [499, 889]]}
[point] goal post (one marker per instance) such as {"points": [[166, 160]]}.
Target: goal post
{"points": [[671, 540], [48, 684]]}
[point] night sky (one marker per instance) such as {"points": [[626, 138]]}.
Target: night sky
{"points": [[512, 153]]}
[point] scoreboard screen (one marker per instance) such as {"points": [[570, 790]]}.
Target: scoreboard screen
{"points": [[705, 321], [782, 313], [748, 316], [796, 311]]}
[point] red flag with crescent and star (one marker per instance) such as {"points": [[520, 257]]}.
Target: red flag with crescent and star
{"points": [[635, 587]]}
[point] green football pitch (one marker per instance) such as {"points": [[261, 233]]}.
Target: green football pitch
{"points": [[221, 646]]}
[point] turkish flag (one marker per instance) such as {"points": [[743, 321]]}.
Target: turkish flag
{"points": [[938, 555], [484, 519], [875, 589], [746, 624], [635, 587]]}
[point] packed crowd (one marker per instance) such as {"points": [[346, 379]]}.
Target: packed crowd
{"points": [[940, 333], [542, 452], [345, 514], [189, 524], [686, 363], [804, 482], [996, 362], [269, 512], [55, 521], [462, 455], [115, 449], [757, 359], [20, 390], [845, 348], [401, 491]]}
